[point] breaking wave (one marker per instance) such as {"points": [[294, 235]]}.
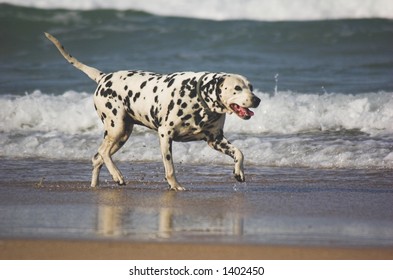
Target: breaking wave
{"points": [[288, 129], [234, 9]]}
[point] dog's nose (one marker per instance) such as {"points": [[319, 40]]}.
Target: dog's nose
{"points": [[255, 101]]}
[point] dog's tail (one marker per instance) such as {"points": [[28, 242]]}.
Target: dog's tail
{"points": [[93, 73]]}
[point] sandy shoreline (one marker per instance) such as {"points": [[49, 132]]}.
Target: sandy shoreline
{"points": [[24, 249]]}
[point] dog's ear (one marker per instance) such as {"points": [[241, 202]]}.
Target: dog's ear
{"points": [[219, 85], [220, 82]]}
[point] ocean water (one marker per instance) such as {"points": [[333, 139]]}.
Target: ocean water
{"points": [[318, 151], [324, 74]]}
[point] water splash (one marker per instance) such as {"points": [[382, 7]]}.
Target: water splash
{"points": [[276, 85]]}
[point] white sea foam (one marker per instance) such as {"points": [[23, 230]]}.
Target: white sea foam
{"points": [[289, 113], [235, 9], [288, 129], [280, 113], [69, 113]]}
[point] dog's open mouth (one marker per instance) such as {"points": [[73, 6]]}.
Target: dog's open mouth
{"points": [[242, 112]]}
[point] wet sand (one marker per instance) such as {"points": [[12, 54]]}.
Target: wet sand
{"points": [[49, 212], [117, 250]]}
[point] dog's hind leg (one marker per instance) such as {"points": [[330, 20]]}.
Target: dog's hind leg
{"points": [[113, 141]]}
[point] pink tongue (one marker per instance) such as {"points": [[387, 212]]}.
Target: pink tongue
{"points": [[242, 112]]}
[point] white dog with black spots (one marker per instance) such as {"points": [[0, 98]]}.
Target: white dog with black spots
{"points": [[182, 106]]}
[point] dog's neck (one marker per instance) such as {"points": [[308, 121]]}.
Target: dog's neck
{"points": [[208, 91]]}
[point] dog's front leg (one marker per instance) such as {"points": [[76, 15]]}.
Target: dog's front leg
{"points": [[221, 144], [166, 152]]}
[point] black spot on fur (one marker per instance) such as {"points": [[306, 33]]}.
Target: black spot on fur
{"points": [[108, 77], [137, 95], [155, 89], [186, 117], [168, 157], [153, 114], [196, 106], [193, 93], [170, 108], [171, 82], [103, 117], [143, 84], [107, 92], [108, 84], [198, 118], [126, 102], [185, 82], [108, 105], [98, 90], [114, 111]]}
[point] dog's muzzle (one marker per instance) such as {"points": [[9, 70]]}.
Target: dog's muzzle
{"points": [[244, 112]]}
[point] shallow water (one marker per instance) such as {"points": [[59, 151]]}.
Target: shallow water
{"points": [[275, 206]]}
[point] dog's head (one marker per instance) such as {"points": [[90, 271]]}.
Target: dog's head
{"points": [[236, 95]]}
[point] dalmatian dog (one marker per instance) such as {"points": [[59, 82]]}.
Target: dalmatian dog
{"points": [[182, 106]]}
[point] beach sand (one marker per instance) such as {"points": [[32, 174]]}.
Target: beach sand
{"points": [[49, 212], [116, 250]]}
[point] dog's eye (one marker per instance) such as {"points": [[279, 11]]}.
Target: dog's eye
{"points": [[251, 87], [238, 88]]}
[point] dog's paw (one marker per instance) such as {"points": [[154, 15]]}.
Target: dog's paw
{"points": [[177, 187], [239, 176], [119, 180]]}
